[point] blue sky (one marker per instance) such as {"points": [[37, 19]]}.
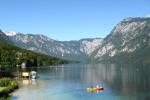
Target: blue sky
{"points": [[68, 19]]}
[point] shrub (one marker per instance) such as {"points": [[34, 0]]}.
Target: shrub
{"points": [[10, 86], [4, 82]]}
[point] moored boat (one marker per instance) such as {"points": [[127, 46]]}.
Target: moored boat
{"points": [[33, 74]]}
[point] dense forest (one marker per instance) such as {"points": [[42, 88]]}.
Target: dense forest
{"points": [[138, 57], [12, 56], [141, 56]]}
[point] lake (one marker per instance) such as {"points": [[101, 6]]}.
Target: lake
{"points": [[69, 82]]}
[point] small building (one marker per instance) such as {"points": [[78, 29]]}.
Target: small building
{"points": [[23, 65], [25, 74]]}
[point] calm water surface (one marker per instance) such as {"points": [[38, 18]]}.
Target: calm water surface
{"points": [[69, 82]]}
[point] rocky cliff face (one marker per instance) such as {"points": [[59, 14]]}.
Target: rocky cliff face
{"points": [[129, 40], [72, 50], [129, 36], [4, 38]]}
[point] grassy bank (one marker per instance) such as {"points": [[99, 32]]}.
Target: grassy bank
{"points": [[7, 86]]}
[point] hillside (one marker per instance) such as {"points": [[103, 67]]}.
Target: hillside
{"points": [[72, 50], [4, 38], [10, 56], [128, 42]]}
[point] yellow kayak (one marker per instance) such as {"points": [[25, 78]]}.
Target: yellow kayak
{"points": [[91, 89]]}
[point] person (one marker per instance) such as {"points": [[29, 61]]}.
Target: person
{"points": [[97, 86]]}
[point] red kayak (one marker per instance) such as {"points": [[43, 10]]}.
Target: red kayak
{"points": [[99, 88]]}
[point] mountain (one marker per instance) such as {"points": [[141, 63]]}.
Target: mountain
{"points": [[4, 38], [11, 33], [11, 55], [72, 50], [129, 41]]}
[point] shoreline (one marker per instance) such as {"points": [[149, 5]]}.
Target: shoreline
{"points": [[7, 86]]}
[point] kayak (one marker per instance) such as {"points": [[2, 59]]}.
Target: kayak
{"points": [[91, 89], [94, 89], [99, 88]]}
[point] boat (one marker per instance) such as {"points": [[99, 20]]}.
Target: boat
{"points": [[91, 89], [33, 74], [99, 88], [95, 89]]}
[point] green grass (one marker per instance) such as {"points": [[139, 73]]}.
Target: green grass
{"points": [[7, 86]]}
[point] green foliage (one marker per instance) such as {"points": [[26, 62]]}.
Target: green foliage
{"points": [[7, 86], [5, 82], [140, 56], [10, 56], [4, 98]]}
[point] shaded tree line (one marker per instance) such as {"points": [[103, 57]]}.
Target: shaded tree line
{"points": [[12, 56]]}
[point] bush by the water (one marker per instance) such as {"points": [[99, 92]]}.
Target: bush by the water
{"points": [[7, 86], [4, 82]]}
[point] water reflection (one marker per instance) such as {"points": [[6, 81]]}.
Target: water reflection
{"points": [[69, 82], [25, 82], [29, 82], [127, 80]]}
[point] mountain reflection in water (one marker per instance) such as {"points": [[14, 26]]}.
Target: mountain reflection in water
{"points": [[69, 82]]}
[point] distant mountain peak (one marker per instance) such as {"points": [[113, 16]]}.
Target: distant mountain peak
{"points": [[72, 50], [10, 33], [128, 19], [4, 38], [128, 36], [131, 19]]}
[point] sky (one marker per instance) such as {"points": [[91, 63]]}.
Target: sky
{"points": [[66, 20]]}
